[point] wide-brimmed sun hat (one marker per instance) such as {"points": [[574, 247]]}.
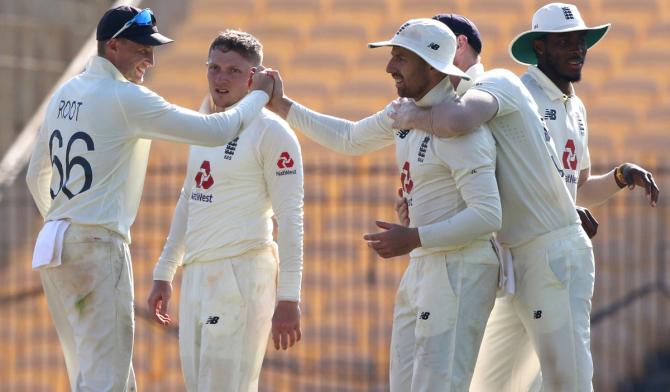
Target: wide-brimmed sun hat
{"points": [[553, 18]]}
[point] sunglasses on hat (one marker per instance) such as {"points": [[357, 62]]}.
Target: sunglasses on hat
{"points": [[143, 18]]}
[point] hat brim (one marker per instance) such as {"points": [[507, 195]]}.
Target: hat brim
{"points": [[445, 68], [154, 39], [521, 48]]}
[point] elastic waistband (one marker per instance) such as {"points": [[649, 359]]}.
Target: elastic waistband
{"points": [[544, 240]]}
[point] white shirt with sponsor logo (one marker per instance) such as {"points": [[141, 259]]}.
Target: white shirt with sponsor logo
{"points": [[229, 196], [91, 154], [565, 116], [449, 183], [534, 197]]}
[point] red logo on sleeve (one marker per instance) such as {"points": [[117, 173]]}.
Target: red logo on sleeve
{"points": [[204, 179], [570, 155], [405, 179], [285, 161]]}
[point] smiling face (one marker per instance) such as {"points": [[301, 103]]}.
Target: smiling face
{"points": [[561, 56], [412, 75], [130, 58], [228, 75]]}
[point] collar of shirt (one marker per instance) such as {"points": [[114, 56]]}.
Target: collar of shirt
{"points": [[437, 94], [101, 67], [552, 91], [474, 72]]}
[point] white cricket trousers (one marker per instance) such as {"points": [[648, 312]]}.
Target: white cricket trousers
{"points": [[549, 315], [90, 297], [226, 310], [441, 309]]}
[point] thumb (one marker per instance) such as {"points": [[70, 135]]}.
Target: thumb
{"points": [[400, 194], [164, 305], [384, 225]]}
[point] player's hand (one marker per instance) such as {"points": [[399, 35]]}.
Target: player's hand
{"points": [[401, 208], [395, 241], [406, 115], [589, 223], [636, 175], [158, 301], [261, 80], [286, 324], [279, 103]]}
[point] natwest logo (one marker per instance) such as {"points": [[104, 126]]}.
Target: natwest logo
{"points": [[570, 155], [204, 179], [285, 161], [405, 179]]}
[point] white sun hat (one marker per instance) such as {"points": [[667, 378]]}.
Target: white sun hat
{"points": [[429, 39], [553, 18]]}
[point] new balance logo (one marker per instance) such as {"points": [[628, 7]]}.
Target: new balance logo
{"points": [[424, 315], [567, 12], [212, 320], [402, 133], [550, 114], [537, 314], [434, 46]]}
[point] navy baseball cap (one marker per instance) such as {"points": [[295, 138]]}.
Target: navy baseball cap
{"points": [[461, 25], [131, 23]]}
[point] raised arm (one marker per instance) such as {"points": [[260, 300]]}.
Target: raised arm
{"points": [[344, 136], [149, 116]]}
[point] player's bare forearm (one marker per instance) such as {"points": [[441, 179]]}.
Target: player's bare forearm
{"points": [[286, 325], [594, 190]]}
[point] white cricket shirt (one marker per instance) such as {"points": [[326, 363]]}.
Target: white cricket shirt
{"points": [[91, 154], [534, 197], [229, 196], [449, 183], [565, 116]]}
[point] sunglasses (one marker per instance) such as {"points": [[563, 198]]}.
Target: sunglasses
{"points": [[144, 18]]}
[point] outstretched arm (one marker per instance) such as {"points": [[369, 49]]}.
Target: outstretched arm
{"points": [[341, 135]]}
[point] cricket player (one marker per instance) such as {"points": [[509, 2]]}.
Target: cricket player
{"points": [[447, 291], [221, 233], [553, 258], [554, 50], [86, 175]]}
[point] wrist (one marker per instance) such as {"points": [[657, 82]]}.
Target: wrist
{"points": [[619, 179]]}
